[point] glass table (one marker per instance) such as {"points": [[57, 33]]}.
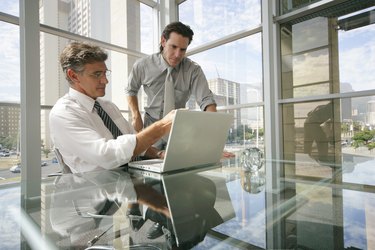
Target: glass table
{"points": [[227, 206]]}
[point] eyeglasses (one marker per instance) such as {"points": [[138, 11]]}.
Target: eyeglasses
{"points": [[100, 74]]}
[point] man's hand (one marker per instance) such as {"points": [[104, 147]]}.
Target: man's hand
{"points": [[137, 123], [151, 134], [227, 154]]}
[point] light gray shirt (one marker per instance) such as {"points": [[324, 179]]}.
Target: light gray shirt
{"points": [[189, 79]]}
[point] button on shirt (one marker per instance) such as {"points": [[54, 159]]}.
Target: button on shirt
{"points": [[83, 140], [151, 71]]}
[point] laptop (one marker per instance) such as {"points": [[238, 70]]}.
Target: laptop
{"points": [[196, 139]]}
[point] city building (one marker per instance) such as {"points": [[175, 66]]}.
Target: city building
{"points": [[9, 120]]}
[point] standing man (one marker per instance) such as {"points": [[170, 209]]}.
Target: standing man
{"points": [[90, 132], [154, 72]]}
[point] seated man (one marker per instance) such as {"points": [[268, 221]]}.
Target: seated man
{"points": [[90, 132]]}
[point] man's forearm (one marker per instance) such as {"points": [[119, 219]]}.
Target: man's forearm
{"points": [[136, 115], [133, 106]]}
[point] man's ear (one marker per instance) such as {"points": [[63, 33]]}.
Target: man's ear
{"points": [[72, 75], [163, 41]]}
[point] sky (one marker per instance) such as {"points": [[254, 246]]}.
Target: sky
{"points": [[9, 55]]}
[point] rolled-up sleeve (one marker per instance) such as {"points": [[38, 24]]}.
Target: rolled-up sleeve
{"points": [[134, 80]]}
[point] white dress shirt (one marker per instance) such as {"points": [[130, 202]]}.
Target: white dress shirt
{"points": [[83, 140]]}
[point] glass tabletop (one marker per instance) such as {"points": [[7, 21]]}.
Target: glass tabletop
{"points": [[227, 206]]}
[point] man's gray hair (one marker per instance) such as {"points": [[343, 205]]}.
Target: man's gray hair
{"points": [[77, 54]]}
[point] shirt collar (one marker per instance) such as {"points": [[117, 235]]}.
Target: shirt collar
{"points": [[83, 99]]}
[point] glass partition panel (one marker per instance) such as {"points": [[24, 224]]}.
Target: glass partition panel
{"points": [[212, 19], [10, 7], [234, 71], [331, 139], [329, 53]]}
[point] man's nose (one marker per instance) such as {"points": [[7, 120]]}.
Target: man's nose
{"points": [[104, 79], [179, 53]]}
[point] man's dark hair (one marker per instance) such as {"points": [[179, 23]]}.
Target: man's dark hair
{"points": [[77, 54], [179, 28]]}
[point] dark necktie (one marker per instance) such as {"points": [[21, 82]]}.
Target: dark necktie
{"points": [[108, 122]]}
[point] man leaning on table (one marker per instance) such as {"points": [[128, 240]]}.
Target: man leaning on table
{"points": [[87, 137]]}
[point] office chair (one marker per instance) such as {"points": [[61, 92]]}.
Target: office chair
{"points": [[64, 169]]}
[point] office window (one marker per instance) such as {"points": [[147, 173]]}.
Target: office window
{"points": [[322, 56], [356, 57], [9, 98], [331, 135], [325, 55], [148, 43], [212, 19], [234, 70]]}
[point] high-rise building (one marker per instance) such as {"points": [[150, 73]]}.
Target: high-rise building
{"points": [[371, 112], [227, 93], [9, 119]]}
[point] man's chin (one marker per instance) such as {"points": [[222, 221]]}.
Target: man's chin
{"points": [[101, 94]]}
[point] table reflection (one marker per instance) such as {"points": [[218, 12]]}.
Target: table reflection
{"points": [[84, 207]]}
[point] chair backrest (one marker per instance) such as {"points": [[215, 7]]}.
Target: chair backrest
{"points": [[65, 169]]}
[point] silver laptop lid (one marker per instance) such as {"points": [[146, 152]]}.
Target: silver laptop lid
{"points": [[196, 139]]}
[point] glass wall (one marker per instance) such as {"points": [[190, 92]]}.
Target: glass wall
{"points": [[104, 22], [320, 56], [233, 67], [327, 98]]}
